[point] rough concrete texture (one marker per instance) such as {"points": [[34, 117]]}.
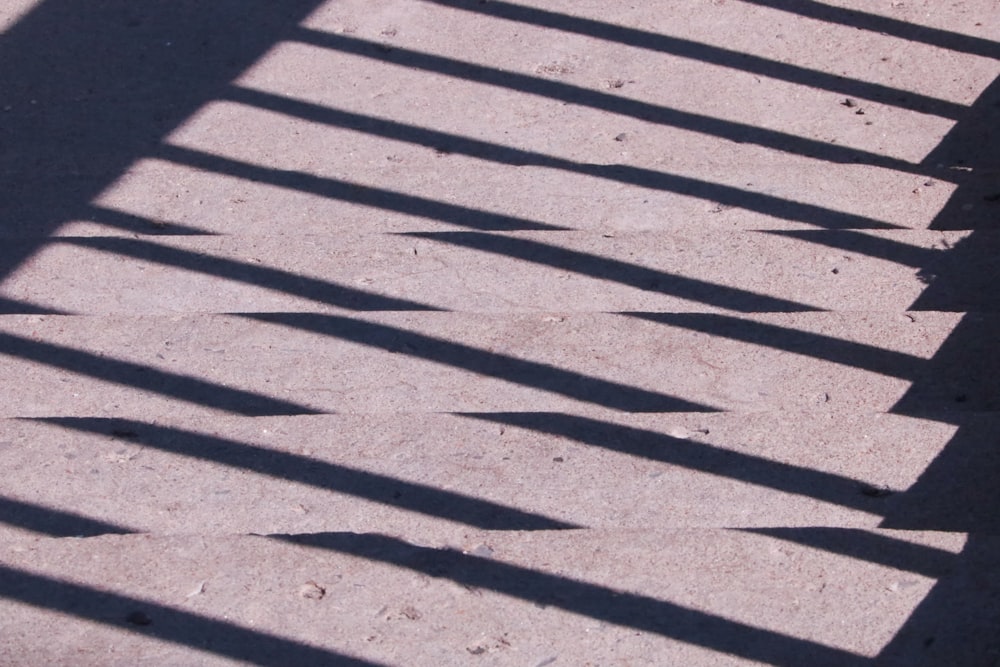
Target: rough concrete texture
{"points": [[649, 596], [299, 363], [390, 472], [708, 270], [478, 332]]}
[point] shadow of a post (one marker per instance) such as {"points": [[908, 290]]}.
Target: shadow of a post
{"points": [[957, 623]]}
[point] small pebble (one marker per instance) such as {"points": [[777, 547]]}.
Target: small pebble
{"points": [[312, 591], [482, 551]]}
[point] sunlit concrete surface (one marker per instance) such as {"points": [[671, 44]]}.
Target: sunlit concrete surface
{"points": [[13, 10], [462, 332]]}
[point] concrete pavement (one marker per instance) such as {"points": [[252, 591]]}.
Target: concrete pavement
{"points": [[422, 332]]}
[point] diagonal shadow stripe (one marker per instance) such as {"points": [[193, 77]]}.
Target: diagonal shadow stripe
{"points": [[784, 477], [858, 242], [586, 599], [776, 207], [613, 270], [537, 375], [354, 193], [382, 489], [392, 129], [101, 215], [884, 25], [53, 522], [868, 547], [816, 346], [622, 106], [294, 284], [21, 307], [138, 224], [146, 378], [198, 632], [646, 178], [712, 55]]}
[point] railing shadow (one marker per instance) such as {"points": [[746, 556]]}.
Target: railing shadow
{"points": [[182, 387], [355, 193], [712, 55], [956, 622], [151, 66], [624, 273], [278, 280], [491, 152], [957, 492], [524, 372], [971, 146], [383, 489], [621, 608], [595, 99], [885, 25], [163, 623], [728, 463], [53, 522], [87, 90]]}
